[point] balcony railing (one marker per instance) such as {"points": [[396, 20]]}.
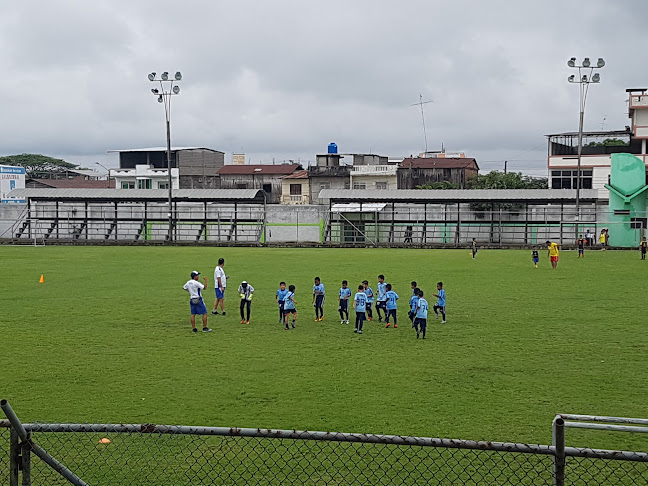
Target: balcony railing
{"points": [[294, 199], [360, 170]]}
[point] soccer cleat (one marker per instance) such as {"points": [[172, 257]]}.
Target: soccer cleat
{"points": [[371, 318], [322, 318], [395, 326], [388, 324], [215, 312], [293, 325], [242, 321], [380, 319], [359, 332], [317, 319], [206, 329], [287, 328], [347, 321], [342, 321], [443, 322], [423, 337], [223, 312], [355, 330], [247, 322], [194, 330]]}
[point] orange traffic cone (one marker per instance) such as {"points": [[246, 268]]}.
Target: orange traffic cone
{"points": [[42, 279]]}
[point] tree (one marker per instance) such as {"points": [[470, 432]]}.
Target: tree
{"points": [[500, 180], [440, 185], [608, 142], [36, 164]]}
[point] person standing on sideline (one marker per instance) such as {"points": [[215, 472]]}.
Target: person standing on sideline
{"points": [[473, 248], [643, 247], [391, 297], [381, 302], [289, 307], [607, 238], [280, 298], [245, 292], [581, 246], [440, 306], [589, 237], [318, 299], [360, 306], [220, 282], [196, 302], [343, 302], [553, 252], [602, 239], [420, 320], [370, 298]]}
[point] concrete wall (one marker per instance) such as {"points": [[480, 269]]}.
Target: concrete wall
{"points": [[9, 214], [294, 223]]}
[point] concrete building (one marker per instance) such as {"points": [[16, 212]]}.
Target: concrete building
{"points": [[598, 147], [262, 176], [418, 171], [295, 188], [11, 178], [191, 168]]}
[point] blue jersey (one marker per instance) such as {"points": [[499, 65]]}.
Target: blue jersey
{"points": [[318, 289], [289, 303], [413, 302], [392, 297], [422, 307], [360, 302], [369, 293], [441, 298], [345, 293], [281, 294], [382, 289]]}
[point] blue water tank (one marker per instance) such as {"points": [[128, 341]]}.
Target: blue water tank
{"points": [[332, 148]]}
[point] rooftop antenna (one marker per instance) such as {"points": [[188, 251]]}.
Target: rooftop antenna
{"points": [[603, 123], [420, 104]]}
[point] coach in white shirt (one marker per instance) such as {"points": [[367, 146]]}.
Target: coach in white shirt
{"points": [[220, 282]]}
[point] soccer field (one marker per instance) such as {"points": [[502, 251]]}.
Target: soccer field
{"points": [[106, 338]]}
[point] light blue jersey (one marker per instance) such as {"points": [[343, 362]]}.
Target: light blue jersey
{"points": [[289, 303], [345, 293], [392, 297], [281, 294], [413, 302], [382, 290], [369, 293], [422, 309], [318, 289], [360, 302], [441, 298]]}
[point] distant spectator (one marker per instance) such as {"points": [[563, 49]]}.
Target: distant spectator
{"points": [[408, 235], [602, 239]]}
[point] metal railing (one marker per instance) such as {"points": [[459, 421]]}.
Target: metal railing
{"points": [[147, 454]]}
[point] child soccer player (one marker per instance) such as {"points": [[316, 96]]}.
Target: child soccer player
{"points": [[441, 303], [245, 292], [412, 303], [196, 302], [581, 246], [473, 248], [392, 297], [289, 307], [370, 298], [381, 302], [280, 298], [360, 304], [343, 302], [643, 246], [318, 299], [420, 320], [535, 256]]}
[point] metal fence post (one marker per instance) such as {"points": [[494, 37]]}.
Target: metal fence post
{"points": [[558, 441], [14, 457], [25, 455]]}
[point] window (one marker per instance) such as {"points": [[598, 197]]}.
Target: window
{"points": [[566, 179], [381, 185], [143, 183], [638, 223], [359, 185], [347, 185], [267, 188], [325, 185], [295, 189], [163, 185], [241, 186], [128, 185]]}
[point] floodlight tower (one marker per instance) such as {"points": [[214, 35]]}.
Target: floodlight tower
{"points": [[586, 76], [168, 88]]}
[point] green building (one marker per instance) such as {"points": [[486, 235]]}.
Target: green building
{"points": [[628, 200]]}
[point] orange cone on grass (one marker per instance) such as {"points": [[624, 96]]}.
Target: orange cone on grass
{"points": [[42, 279]]}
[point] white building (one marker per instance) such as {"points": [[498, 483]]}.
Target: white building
{"points": [[145, 177], [562, 160], [11, 177]]}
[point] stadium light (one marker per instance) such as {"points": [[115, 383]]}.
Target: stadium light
{"points": [[586, 76], [164, 93]]}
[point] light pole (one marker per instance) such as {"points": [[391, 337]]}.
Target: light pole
{"points": [[168, 88], [586, 76], [101, 165]]}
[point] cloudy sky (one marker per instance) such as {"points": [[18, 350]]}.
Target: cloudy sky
{"points": [[281, 79]]}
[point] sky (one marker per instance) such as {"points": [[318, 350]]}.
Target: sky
{"points": [[279, 80]]}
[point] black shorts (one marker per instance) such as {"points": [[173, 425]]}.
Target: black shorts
{"points": [[581, 250], [319, 301], [361, 316], [344, 305], [420, 322], [381, 304], [289, 311]]}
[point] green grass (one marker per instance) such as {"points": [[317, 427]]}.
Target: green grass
{"points": [[106, 339]]}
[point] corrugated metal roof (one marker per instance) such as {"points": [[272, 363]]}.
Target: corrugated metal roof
{"points": [[457, 195], [249, 169], [438, 163], [141, 194], [162, 149]]}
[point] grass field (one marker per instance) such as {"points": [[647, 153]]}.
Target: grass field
{"points": [[106, 338]]}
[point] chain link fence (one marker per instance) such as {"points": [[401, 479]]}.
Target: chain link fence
{"points": [[587, 471], [4, 451]]}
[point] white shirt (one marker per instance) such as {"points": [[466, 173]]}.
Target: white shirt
{"points": [[194, 287], [246, 292], [219, 272]]}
